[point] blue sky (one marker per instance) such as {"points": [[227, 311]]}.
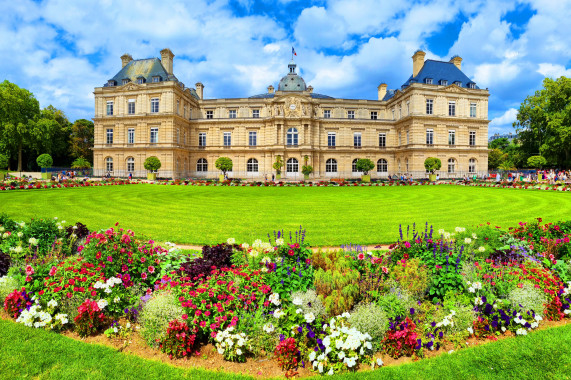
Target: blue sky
{"points": [[62, 49]]}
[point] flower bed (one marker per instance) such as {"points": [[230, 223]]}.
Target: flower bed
{"points": [[18, 184], [326, 311]]}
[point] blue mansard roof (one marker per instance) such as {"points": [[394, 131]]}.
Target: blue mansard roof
{"points": [[438, 71], [146, 68]]}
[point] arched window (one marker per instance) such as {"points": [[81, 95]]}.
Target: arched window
{"points": [[130, 164], [331, 166], [472, 165], [252, 165], [354, 166], [451, 165], [382, 166], [292, 165], [109, 164], [292, 136], [406, 164], [202, 165]]}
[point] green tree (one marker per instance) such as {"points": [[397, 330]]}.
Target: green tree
{"points": [[432, 164], [495, 158], [223, 164], [278, 164], [81, 139], [501, 143], [51, 133], [18, 110], [306, 169], [80, 163], [45, 161], [364, 165], [152, 163], [544, 122], [3, 161], [536, 162]]}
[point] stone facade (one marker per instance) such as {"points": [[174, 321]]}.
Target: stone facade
{"points": [[145, 111]]}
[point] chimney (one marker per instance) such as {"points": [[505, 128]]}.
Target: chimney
{"points": [[382, 89], [166, 59], [417, 62], [310, 89], [457, 61], [270, 89], [125, 59], [200, 90]]}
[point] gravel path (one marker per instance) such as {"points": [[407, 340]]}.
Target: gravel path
{"points": [[368, 247]]}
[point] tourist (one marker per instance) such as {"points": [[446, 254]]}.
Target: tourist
{"points": [[130, 176]]}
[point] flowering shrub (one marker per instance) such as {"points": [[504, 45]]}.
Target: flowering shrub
{"points": [[178, 340], [213, 257], [233, 346], [90, 318], [16, 302], [400, 339], [287, 355], [35, 317], [156, 314], [286, 277]]}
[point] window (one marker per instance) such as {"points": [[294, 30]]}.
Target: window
{"points": [[458, 83], [429, 106], [327, 114], [400, 112], [292, 165], [331, 139], [331, 166], [227, 138], [350, 114], [255, 114], [131, 107], [252, 139], [232, 114], [429, 136], [354, 165], [252, 165], [443, 82], [406, 164], [428, 80], [156, 79], [451, 108], [178, 107], [140, 80], [109, 136], [202, 139], [373, 115], [111, 83], [382, 140], [400, 138], [154, 105], [407, 138], [292, 136], [472, 165], [210, 114], [154, 135], [472, 85], [109, 108], [109, 164], [130, 165], [202, 165], [472, 109], [382, 166], [408, 108], [472, 138], [131, 136], [393, 112], [451, 165], [178, 135], [125, 81], [357, 140], [451, 137]]}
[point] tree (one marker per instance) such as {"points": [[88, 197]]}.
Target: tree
{"points": [[278, 164], [152, 163], [18, 110], [51, 134], [432, 164], [306, 169], [544, 122], [536, 162], [501, 144], [224, 164], [3, 161], [80, 163], [364, 165], [45, 161], [495, 158], [81, 139]]}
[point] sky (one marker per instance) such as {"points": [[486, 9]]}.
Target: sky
{"points": [[62, 49]]}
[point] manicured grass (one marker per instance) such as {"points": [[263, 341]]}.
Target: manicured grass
{"points": [[26, 353], [331, 215]]}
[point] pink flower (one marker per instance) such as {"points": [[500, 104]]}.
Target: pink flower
{"points": [[151, 269], [29, 270], [110, 259], [361, 256], [144, 275], [385, 270], [407, 244], [53, 271]]}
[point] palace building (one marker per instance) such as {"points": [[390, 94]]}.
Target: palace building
{"points": [[144, 110]]}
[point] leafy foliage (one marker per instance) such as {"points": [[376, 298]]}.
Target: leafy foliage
{"points": [[213, 257], [45, 161], [178, 340], [536, 162], [152, 163], [432, 164], [224, 164], [365, 165]]}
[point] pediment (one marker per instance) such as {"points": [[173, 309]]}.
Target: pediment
{"points": [[130, 87], [454, 89]]}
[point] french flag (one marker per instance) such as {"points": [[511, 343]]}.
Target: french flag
{"points": [[293, 51]]}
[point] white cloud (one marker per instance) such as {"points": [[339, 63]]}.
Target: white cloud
{"points": [[489, 74], [316, 28], [506, 119], [553, 71]]}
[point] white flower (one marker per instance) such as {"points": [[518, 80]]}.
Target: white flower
{"points": [[52, 303], [269, 327], [345, 315], [278, 313], [474, 236], [33, 241], [341, 354], [380, 362], [441, 231], [468, 241], [309, 317], [297, 301], [470, 330], [245, 246], [312, 356], [447, 235], [238, 352], [231, 241], [451, 351], [20, 234], [102, 303], [460, 229], [330, 373], [320, 367], [220, 350], [275, 299], [482, 249], [128, 325], [116, 299], [279, 242], [521, 331], [299, 311]]}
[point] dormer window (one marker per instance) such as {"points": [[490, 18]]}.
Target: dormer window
{"points": [[443, 82], [458, 83], [472, 85], [428, 80], [156, 79], [125, 81], [140, 80], [111, 83]]}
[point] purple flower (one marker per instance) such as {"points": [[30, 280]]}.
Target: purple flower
{"points": [[411, 311]]}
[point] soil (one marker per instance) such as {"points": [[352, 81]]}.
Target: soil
{"points": [[207, 358]]}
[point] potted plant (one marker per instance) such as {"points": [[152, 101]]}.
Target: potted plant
{"points": [[45, 161], [535, 162], [152, 164], [225, 165], [306, 169], [364, 165], [278, 166], [432, 164], [3, 165]]}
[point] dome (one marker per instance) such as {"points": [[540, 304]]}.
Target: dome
{"points": [[292, 81]]}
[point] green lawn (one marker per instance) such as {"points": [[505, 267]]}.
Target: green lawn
{"points": [[331, 215], [30, 353]]}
